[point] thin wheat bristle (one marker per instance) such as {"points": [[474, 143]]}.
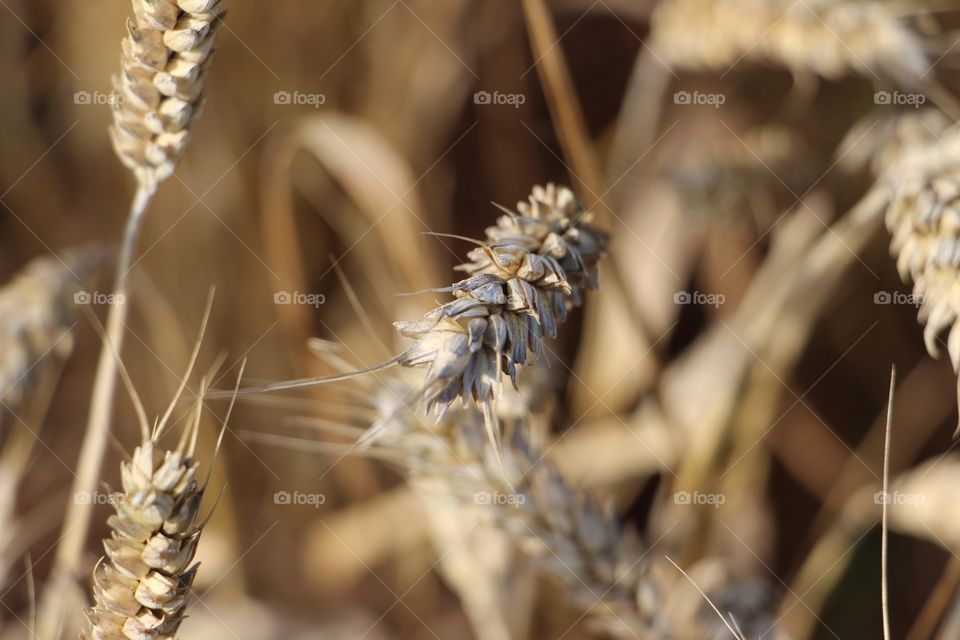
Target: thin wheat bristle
{"points": [[160, 87], [825, 37], [522, 281], [141, 586], [37, 311]]}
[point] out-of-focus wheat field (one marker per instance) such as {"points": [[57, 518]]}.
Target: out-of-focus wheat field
{"points": [[723, 392]]}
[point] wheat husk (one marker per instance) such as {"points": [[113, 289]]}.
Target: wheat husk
{"points": [[533, 268], [141, 586], [160, 87]]}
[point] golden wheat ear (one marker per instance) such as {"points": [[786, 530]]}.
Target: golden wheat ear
{"points": [[533, 267], [141, 586], [160, 86]]}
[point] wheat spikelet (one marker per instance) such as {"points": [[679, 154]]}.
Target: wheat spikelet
{"points": [[924, 221], [141, 587], [160, 87], [825, 37], [37, 311], [533, 268]]}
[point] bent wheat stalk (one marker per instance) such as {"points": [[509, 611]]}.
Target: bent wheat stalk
{"points": [[160, 89]]}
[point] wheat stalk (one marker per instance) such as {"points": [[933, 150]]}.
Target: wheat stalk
{"points": [[533, 268], [165, 56], [825, 37]]}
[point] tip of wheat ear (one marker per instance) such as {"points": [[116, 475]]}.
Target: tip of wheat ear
{"points": [[141, 586], [160, 86], [533, 267]]}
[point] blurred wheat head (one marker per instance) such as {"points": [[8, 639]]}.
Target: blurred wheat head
{"points": [[825, 37], [37, 312]]}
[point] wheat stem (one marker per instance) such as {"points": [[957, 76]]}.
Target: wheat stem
{"points": [[77, 520], [884, 528]]}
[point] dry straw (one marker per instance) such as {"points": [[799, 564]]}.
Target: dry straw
{"points": [[165, 56], [825, 37], [534, 266]]}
